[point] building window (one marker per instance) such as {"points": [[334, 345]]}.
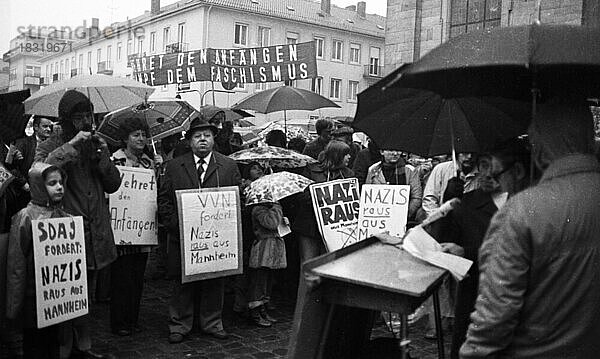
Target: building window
{"points": [[108, 53], [181, 33], [73, 62], [67, 72], [31, 70], [292, 37], [12, 76], [140, 50], [152, 42], [99, 55], [355, 53], [264, 36], [317, 85], [80, 62], [241, 34], [470, 15], [166, 37], [352, 90], [320, 47], [337, 51], [119, 50], [129, 47], [261, 86], [48, 70], [89, 59], [335, 89], [240, 86], [374, 68]]}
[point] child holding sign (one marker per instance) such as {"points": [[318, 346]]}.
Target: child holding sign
{"points": [[47, 191]]}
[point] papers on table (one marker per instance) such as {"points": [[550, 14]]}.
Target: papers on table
{"points": [[423, 246]]}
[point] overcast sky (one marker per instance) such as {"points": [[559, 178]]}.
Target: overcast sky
{"points": [[15, 13]]}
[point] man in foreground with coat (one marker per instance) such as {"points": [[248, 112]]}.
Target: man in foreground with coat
{"points": [[540, 261], [200, 168]]}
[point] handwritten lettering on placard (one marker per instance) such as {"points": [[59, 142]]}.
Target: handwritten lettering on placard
{"points": [[383, 208]]}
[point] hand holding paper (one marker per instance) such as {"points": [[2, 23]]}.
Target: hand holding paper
{"points": [[423, 246]]}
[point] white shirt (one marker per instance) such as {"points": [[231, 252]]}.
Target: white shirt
{"points": [[204, 165]]}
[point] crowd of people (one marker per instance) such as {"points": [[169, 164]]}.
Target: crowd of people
{"points": [[529, 219]]}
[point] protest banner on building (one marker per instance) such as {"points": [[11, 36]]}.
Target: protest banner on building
{"points": [[383, 208], [60, 270], [235, 66], [336, 207], [133, 207], [210, 226]]}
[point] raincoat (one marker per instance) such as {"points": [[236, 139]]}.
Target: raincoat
{"points": [[20, 286]]}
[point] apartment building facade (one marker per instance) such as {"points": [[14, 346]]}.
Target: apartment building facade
{"points": [[349, 46]]}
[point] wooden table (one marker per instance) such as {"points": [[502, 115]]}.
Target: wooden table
{"points": [[340, 293]]}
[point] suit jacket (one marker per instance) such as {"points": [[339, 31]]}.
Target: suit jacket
{"points": [[180, 173]]}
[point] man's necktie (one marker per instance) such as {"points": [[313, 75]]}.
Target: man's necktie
{"points": [[200, 170]]}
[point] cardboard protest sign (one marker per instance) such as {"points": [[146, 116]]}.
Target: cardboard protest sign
{"points": [[60, 270], [383, 207], [336, 207], [133, 207], [229, 66], [210, 226]]}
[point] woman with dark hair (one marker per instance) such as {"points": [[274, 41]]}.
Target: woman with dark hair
{"points": [[332, 165], [127, 271]]}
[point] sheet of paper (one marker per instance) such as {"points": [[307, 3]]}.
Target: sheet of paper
{"points": [[423, 246], [284, 227]]}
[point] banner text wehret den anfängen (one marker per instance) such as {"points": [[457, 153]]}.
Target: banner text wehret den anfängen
{"points": [[241, 65]]}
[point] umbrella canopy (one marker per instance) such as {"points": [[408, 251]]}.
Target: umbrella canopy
{"points": [[510, 61], [284, 98], [107, 93], [230, 114], [274, 187], [12, 121], [274, 156], [424, 123], [164, 118], [243, 123]]}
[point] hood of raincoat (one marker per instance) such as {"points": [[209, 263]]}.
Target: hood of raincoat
{"points": [[37, 187]]}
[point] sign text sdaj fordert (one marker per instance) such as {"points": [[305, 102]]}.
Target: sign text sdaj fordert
{"points": [[241, 65]]}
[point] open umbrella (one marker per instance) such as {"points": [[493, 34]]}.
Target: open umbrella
{"points": [[274, 156], [164, 118], [107, 93], [512, 62], [274, 187], [425, 123], [284, 98]]}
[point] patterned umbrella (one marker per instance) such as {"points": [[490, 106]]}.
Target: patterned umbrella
{"points": [[274, 156], [274, 187], [107, 93], [164, 118]]}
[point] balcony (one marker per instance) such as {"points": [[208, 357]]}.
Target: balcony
{"points": [[372, 71], [105, 67], [54, 77], [32, 80], [176, 47]]}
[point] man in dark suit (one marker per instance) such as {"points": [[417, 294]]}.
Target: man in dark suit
{"points": [[22, 153], [202, 167]]}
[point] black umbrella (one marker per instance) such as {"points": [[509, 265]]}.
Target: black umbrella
{"points": [[424, 123], [511, 62], [12, 121]]}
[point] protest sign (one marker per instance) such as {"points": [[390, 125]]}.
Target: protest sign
{"points": [[210, 232], [383, 208], [60, 270], [233, 66], [336, 207], [133, 207]]}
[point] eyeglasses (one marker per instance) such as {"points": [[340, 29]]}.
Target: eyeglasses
{"points": [[496, 176]]}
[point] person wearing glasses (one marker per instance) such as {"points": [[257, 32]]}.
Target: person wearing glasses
{"points": [[462, 231], [539, 286]]}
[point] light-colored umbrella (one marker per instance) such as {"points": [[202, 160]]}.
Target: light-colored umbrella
{"points": [[107, 93], [274, 156], [274, 187], [284, 98], [164, 118]]}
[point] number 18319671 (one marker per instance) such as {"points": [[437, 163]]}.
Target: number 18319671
{"points": [[47, 47]]}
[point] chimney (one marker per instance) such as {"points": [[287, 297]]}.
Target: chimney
{"points": [[351, 7], [326, 7], [95, 28], [154, 7], [361, 9]]}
